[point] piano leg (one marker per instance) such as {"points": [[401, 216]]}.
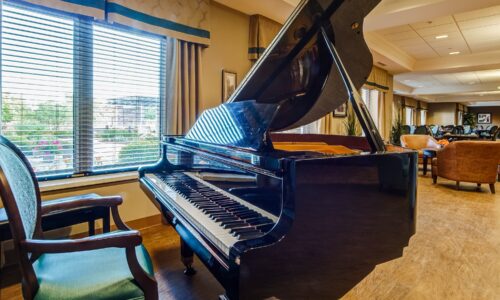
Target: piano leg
{"points": [[187, 258]]}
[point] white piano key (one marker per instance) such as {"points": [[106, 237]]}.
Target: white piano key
{"points": [[213, 231]]}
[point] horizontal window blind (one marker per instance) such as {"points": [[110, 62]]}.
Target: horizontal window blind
{"points": [[126, 90], [79, 96], [37, 87]]}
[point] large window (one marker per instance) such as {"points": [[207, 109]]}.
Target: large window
{"points": [[371, 99], [79, 96]]}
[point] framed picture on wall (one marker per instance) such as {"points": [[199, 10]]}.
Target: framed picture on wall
{"points": [[341, 111], [484, 118], [229, 83]]}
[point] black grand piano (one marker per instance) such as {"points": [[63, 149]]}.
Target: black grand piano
{"points": [[282, 215]]}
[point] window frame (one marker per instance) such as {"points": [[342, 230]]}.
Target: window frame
{"points": [[83, 132]]}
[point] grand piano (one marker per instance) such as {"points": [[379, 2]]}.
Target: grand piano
{"points": [[281, 215]]}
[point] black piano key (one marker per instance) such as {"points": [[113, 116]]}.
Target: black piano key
{"points": [[236, 224], [248, 215], [258, 221], [236, 231], [249, 235]]}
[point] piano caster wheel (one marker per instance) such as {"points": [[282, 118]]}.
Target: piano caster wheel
{"points": [[189, 271]]}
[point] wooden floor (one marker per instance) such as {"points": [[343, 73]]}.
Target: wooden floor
{"points": [[455, 254]]}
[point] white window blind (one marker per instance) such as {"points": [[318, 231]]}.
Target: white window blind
{"points": [[126, 89], [37, 87], [79, 96]]}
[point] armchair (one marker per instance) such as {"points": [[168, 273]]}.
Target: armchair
{"points": [[419, 142], [468, 161], [108, 266]]}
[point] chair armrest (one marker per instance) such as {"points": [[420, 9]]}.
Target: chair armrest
{"points": [[118, 239], [89, 200]]}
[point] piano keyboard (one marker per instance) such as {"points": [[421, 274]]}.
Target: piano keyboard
{"points": [[221, 217]]}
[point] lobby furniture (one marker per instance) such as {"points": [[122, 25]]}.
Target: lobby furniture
{"points": [[422, 129], [65, 217], [460, 137], [107, 266], [419, 142], [428, 154], [406, 129], [468, 161], [458, 130], [434, 130]]}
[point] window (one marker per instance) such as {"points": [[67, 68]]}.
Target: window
{"points": [[370, 97], [79, 96], [409, 116], [423, 117]]}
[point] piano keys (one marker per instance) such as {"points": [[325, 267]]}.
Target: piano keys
{"points": [[283, 215]]}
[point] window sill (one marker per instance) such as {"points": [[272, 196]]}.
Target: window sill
{"points": [[78, 182]]}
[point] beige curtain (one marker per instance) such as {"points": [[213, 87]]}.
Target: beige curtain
{"points": [[379, 79], [326, 124], [183, 87], [262, 33]]}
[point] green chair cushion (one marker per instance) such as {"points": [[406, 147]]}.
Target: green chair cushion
{"points": [[96, 274]]}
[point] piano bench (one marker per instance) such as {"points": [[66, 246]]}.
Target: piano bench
{"points": [[64, 218]]}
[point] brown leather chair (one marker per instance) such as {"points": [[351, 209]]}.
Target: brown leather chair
{"points": [[468, 161], [419, 142]]}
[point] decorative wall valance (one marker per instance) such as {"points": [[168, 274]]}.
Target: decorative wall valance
{"points": [[379, 79], [422, 105], [91, 8], [187, 20], [410, 102], [262, 33], [461, 107]]}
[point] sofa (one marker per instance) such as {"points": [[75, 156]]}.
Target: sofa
{"points": [[468, 161]]}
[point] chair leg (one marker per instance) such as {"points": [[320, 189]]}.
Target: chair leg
{"points": [[434, 179], [91, 227], [478, 186], [458, 185], [492, 188]]}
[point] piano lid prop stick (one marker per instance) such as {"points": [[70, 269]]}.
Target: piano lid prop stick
{"points": [[372, 134]]}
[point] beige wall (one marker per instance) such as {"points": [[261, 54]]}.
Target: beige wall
{"points": [[136, 204], [442, 113], [228, 50], [494, 110]]}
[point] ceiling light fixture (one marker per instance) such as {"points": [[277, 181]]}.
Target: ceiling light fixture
{"points": [[442, 36], [454, 53]]}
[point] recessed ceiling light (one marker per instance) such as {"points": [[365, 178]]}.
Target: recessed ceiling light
{"points": [[454, 53], [442, 36]]}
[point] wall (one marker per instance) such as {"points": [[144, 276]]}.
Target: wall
{"points": [[228, 50], [494, 110], [441, 113]]}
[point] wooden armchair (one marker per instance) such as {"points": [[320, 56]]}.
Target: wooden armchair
{"points": [[108, 266], [468, 161]]}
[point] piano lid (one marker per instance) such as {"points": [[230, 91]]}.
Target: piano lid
{"points": [[297, 70]]}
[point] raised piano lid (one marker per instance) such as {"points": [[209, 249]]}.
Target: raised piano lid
{"points": [[298, 72], [296, 81]]}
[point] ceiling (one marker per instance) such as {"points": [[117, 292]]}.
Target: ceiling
{"points": [[438, 50]]}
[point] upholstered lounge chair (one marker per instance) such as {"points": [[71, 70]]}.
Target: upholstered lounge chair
{"points": [[468, 161], [419, 142], [107, 266]]}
